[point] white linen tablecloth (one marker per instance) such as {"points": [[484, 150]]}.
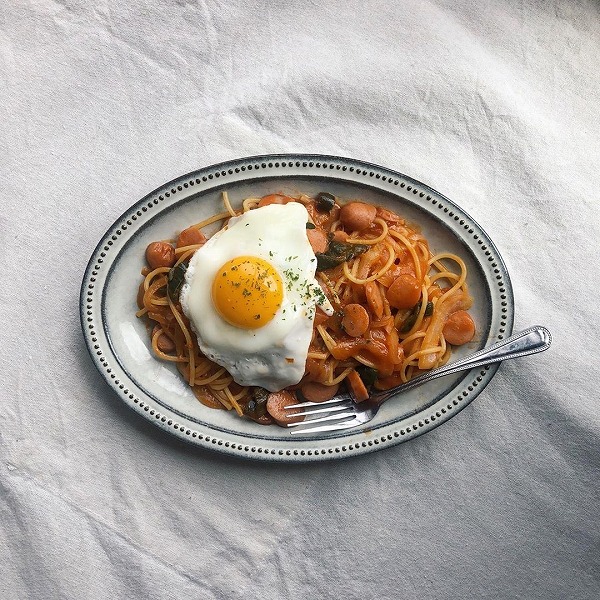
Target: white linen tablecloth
{"points": [[494, 104]]}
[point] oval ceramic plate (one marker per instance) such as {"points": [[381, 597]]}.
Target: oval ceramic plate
{"points": [[119, 344]]}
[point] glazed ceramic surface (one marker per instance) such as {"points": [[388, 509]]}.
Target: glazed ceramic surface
{"points": [[119, 344]]}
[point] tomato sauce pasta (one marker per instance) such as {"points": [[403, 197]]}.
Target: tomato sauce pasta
{"points": [[398, 309]]}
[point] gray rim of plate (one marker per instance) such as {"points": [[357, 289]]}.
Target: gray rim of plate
{"points": [[320, 167]]}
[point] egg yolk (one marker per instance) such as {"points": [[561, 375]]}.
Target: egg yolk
{"points": [[247, 292]]}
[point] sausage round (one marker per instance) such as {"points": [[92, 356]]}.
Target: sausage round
{"points": [[404, 292], [190, 237], [274, 199], [276, 404], [355, 320], [314, 391], [160, 254], [459, 328], [356, 216], [317, 239]]}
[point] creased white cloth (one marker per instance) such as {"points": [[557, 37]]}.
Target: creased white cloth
{"points": [[494, 104]]}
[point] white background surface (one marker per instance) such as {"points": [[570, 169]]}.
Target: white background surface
{"points": [[494, 104]]}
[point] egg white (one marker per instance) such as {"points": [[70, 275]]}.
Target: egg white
{"points": [[272, 356]]}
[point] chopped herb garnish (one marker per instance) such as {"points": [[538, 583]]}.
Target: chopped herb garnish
{"points": [[324, 202], [367, 374], [428, 309], [257, 406], [175, 281], [409, 322], [338, 253]]}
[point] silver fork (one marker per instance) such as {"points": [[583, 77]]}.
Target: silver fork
{"points": [[342, 412]]}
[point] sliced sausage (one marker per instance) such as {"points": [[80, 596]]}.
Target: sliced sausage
{"points": [[160, 254], [357, 387], [404, 292], [356, 216], [274, 199], [190, 237], [276, 408], [317, 239], [459, 328], [355, 320], [317, 392]]}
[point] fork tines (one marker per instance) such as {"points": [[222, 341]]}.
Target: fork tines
{"points": [[337, 413]]}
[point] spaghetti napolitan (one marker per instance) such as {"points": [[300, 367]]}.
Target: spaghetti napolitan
{"points": [[399, 308]]}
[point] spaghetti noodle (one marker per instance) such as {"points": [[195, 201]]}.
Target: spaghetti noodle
{"points": [[413, 303]]}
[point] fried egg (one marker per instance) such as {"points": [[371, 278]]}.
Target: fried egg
{"points": [[250, 294]]}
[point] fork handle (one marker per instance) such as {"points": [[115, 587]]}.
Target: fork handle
{"points": [[529, 341]]}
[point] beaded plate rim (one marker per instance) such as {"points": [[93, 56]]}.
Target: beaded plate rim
{"points": [[299, 449]]}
